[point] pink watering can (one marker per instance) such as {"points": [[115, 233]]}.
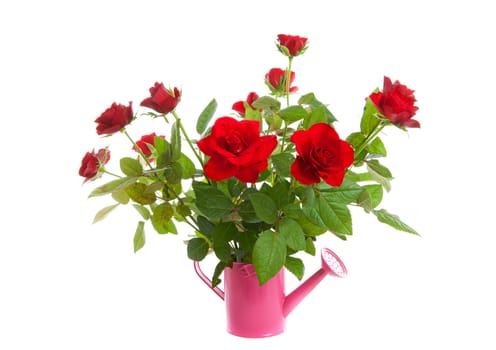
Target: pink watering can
{"points": [[255, 311]]}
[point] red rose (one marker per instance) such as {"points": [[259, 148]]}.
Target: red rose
{"points": [[276, 79], [92, 162], [240, 105], [236, 149], [162, 100], [396, 103], [145, 141], [321, 154], [114, 118], [294, 43]]}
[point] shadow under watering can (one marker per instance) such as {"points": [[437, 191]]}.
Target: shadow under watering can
{"points": [[255, 311]]}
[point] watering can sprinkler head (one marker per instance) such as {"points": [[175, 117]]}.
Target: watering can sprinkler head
{"points": [[332, 265]]}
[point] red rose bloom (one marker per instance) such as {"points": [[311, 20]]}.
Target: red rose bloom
{"points": [[396, 103], [236, 149], [145, 141], [321, 154], [294, 43], [92, 162], [114, 118], [276, 79], [162, 100], [240, 105]]}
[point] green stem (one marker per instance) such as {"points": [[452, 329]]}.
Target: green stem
{"points": [[370, 137], [188, 140], [110, 173], [137, 148], [288, 80]]}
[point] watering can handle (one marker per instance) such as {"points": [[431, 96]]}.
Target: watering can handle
{"points": [[207, 281]]}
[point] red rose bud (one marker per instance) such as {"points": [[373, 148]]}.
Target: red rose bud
{"points": [[162, 100], [321, 154], [291, 45], [276, 80], [145, 141], [93, 162], [114, 118], [396, 103], [236, 149], [240, 105]]}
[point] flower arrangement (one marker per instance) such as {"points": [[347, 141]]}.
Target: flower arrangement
{"points": [[257, 187]]}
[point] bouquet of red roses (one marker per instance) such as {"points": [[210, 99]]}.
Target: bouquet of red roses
{"points": [[259, 187]]}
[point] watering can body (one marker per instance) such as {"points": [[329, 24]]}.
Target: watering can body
{"points": [[255, 311]]}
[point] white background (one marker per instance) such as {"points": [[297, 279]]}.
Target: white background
{"points": [[68, 284]]}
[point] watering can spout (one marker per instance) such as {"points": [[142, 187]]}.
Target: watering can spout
{"points": [[331, 265]]}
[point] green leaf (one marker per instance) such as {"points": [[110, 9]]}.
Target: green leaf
{"points": [[138, 193], [358, 177], [144, 212], [311, 100], [317, 115], [377, 147], [206, 227], [355, 139], [205, 116], [161, 216], [336, 216], [187, 166], [370, 118], [175, 141], [267, 103], [376, 194], [173, 173], [113, 186], [223, 234], [347, 193], [393, 221], [102, 213], [365, 201], [219, 268], [293, 113], [295, 266], [269, 255], [197, 249], [139, 236], [292, 233], [310, 248], [131, 167], [282, 163], [379, 173], [160, 144], [120, 196], [212, 202], [264, 207]]}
